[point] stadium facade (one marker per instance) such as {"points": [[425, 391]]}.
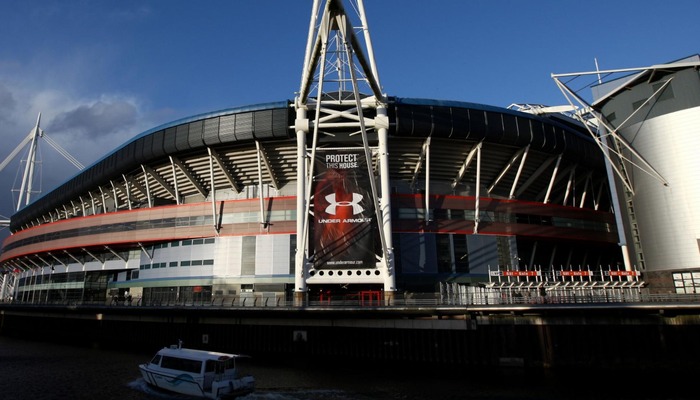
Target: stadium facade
{"points": [[350, 192]]}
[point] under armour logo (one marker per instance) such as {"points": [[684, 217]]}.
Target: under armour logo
{"points": [[356, 207]]}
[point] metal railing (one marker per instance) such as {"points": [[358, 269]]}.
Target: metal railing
{"points": [[407, 300]]}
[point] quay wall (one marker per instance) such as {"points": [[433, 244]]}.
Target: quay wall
{"points": [[544, 337]]}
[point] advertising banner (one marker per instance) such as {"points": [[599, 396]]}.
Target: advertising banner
{"points": [[343, 211]]}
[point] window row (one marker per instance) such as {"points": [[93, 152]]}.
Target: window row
{"points": [[188, 242], [172, 264], [492, 216], [200, 220], [686, 282]]}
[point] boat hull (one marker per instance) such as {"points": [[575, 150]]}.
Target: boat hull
{"points": [[180, 383], [187, 384]]}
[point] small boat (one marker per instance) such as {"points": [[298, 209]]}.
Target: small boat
{"points": [[199, 373]]}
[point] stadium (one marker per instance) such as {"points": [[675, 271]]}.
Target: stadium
{"points": [[345, 192]]}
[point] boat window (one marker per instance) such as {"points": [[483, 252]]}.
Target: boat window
{"points": [[156, 359], [233, 363], [210, 366], [181, 364]]}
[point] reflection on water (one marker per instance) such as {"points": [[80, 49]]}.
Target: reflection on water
{"points": [[45, 371], [318, 394]]}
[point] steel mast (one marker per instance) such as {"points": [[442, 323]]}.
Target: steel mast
{"points": [[335, 65], [27, 185], [28, 177]]}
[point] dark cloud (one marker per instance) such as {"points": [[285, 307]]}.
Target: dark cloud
{"points": [[99, 119]]}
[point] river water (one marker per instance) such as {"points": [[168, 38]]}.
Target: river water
{"points": [[31, 370]]}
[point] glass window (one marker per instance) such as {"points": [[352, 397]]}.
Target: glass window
{"points": [[461, 253], [408, 213], [444, 253], [292, 253], [181, 364], [457, 214]]}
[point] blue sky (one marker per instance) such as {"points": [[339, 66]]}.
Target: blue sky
{"points": [[102, 71]]}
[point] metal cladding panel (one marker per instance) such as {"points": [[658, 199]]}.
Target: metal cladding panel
{"points": [[86, 176], [282, 119], [524, 130], [144, 148], [683, 92], [157, 146], [110, 162], [113, 163], [413, 121], [573, 149], [96, 173], [550, 139], [591, 153], [263, 124], [181, 138], [564, 136], [210, 136], [107, 164], [244, 126], [494, 127], [119, 157], [195, 136], [585, 152], [79, 180], [169, 140], [471, 133], [466, 121], [667, 217], [477, 124], [460, 122], [511, 134], [423, 121], [227, 128], [442, 126], [402, 118], [539, 141], [33, 211]]}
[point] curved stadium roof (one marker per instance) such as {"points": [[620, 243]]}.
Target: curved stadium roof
{"points": [[269, 123]]}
